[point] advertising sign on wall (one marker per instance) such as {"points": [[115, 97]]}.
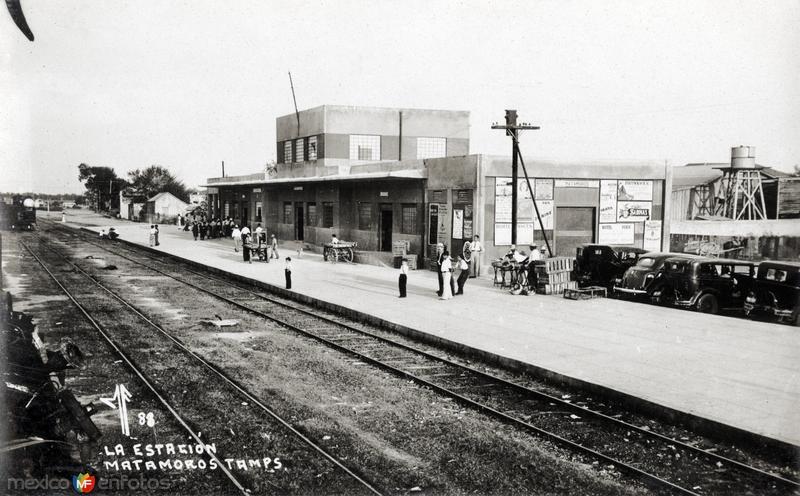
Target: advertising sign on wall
{"points": [[615, 234], [502, 234], [502, 199], [608, 201], [524, 202], [543, 189], [458, 224], [652, 235], [546, 211], [631, 190], [633, 211], [576, 183], [524, 233], [444, 224]]}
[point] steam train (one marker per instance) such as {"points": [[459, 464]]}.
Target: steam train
{"points": [[20, 214]]}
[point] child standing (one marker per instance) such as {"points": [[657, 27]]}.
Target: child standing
{"points": [[288, 272], [403, 277]]}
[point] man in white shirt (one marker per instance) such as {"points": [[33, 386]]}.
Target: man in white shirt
{"points": [[446, 271], [403, 277], [476, 248], [534, 256], [236, 234]]}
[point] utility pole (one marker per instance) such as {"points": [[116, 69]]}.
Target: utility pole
{"points": [[223, 168], [512, 129]]}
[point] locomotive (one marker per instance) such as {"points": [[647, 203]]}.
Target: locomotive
{"points": [[19, 215]]}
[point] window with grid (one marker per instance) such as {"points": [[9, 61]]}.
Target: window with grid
{"points": [[312, 148], [287, 152], [431, 147], [364, 215], [258, 212], [227, 210], [409, 224], [364, 147], [312, 214], [287, 212], [327, 214], [298, 153]]}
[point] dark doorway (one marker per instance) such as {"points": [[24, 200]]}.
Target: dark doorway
{"points": [[245, 220], [299, 221], [386, 227], [574, 227]]}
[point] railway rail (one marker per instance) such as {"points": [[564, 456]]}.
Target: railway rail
{"points": [[358, 481], [659, 461]]}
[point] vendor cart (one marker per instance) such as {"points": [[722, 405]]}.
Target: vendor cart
{"points": [[342, 251], [260, 250]]}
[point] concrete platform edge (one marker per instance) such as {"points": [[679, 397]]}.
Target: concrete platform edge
{"points": [[707, 427]]}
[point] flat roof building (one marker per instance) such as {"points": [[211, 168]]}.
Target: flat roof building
{"points": [[414, 181]]}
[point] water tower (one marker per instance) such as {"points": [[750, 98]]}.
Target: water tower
{"points": [[744, 196]]}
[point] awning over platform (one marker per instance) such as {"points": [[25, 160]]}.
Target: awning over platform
{"points": [[399, 174]]}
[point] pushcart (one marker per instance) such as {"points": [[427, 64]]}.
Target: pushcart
{"points": [[342, 251]]}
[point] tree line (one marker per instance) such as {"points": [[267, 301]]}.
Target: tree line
{"points": [[103, 185]]}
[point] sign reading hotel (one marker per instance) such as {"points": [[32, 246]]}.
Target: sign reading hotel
{"points": [[615, 234], [633, 211], [608, 201], [631, 190]]}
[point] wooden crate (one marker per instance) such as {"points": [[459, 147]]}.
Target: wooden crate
{"points": [[558, 288], [586, 293]]}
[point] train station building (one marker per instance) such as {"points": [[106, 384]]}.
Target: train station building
{"points": [[378, 175]]}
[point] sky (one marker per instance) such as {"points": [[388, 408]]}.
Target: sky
{"points": [[187, 84]]}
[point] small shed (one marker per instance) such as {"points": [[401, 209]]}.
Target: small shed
{"points": [[165, 207]]}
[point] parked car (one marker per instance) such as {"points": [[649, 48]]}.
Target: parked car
{"points": [[601, 265], [708, 285], [638, 281], [776, 292]]}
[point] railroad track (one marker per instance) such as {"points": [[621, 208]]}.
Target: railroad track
{"points": [[661, 462], [360, 485]]}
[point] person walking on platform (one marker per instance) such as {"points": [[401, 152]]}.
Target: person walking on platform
{"points": [[259, 232], [274, 246], [288, 272], [195, 230], [477, 251], [403, 277], [447, 276], [157, 243], [463, 274], [236, 234], [152, 235], [439, 253], [245, 230]]}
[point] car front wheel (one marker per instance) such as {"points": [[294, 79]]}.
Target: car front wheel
{"points": [[708, 304]]}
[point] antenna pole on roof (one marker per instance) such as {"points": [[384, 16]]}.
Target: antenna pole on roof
{"points": [[294, 98]]}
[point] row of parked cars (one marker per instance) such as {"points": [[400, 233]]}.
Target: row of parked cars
{"points": [[767, 289]]}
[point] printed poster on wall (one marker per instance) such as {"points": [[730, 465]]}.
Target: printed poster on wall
{"points": [[543, 189], [615, 234], [608, 201], [458, 223], [524, 233], [546, 211], [502, 199], [633, 211], [576, 183], [631, 190], [442, 233], [468, 229], [502, 234], [524, 203], [652, 235]]}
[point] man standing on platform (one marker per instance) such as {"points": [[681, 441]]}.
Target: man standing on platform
{"points": [[236, 234], [403, 277], [534, 256], [439, 259], [288, 272], [274, 246], [477, 252], [463, 267]]}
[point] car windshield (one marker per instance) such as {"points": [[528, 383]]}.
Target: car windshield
{"points": [[646, 262]]}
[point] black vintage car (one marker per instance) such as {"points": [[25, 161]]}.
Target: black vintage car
{"points": [[602, 265], [707, 285], [638, 281], [776, 292]]}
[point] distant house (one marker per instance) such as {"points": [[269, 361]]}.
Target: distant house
{"points": [[164, 207], [131, 204]]}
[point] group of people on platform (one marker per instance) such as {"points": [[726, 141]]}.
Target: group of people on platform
{"points": [[453, 273], [525, 263]]}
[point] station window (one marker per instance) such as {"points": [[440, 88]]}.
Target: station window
{"points": [[312, 214], [287, 152], [287, 212], [298, 150], [327, 214], [227, 210], [312, 148], [409, 225], [364, 215], [431, 147], [365, 147], [258, 212]]}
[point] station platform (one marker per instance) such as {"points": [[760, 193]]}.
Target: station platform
{"points": [[729, 371]]}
